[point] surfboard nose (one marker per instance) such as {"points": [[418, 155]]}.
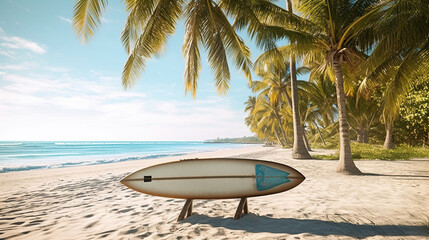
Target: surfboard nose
{"points": [[123, 181], [126, 180]]}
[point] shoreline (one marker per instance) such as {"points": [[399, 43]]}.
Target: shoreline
{"points": [[72, 158], [88, 202]]}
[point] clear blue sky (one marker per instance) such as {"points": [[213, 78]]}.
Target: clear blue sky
{"points": [[53, 88]]}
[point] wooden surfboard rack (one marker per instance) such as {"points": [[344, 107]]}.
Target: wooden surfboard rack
{"points": [[186, 210], [242, 209]]}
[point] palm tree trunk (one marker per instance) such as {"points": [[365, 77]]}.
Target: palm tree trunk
{"points": [[320, 135], [362, 135], [388, 142], [278, 138], [425, 139], [289, 101], [345, 163], [305, 139], [299, 151], [282, 129]]}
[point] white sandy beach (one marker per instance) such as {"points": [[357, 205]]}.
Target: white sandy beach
{"points": [[391, 201]]}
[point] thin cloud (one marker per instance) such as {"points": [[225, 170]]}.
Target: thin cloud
{"points": [[21, 43], [68, 20], [57, 69], [89, 107], [18, 67], [10, 54], [105, 20]]}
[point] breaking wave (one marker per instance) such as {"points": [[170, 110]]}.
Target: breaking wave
{"points": [[83, 163]]}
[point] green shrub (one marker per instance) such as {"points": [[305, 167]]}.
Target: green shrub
{"points": [[373, 152]]}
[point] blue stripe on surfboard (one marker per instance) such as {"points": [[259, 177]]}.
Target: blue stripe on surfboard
{"points": [[275, 177]]}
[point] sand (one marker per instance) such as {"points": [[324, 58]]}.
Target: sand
{"points": [[389, 202]]}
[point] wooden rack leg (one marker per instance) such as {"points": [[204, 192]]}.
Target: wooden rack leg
{"points": [[246, 208], [189, 210], [186, 210], [242, 208]]}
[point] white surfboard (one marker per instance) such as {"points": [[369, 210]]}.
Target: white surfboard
{"points": [[215, 178]]}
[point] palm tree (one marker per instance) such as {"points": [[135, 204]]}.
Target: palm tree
{"points": [[270, 110], [279, 74], [299, 150], [150, 23], [250, 107], [255, 15], [263, 120], [363, 114], [275, 80], [321, 112], [322, 32], [401, 55]]}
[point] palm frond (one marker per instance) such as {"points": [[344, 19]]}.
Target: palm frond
{"points": [[139, 13], [190, 45], [221, 41], [248, 14], [407, 74], [212, 39], [87, 16], [159, 25]]}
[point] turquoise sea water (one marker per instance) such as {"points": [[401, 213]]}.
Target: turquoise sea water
{"points": [[21, 156]]}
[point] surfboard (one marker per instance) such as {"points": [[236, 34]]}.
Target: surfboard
{"points": [[214, 178]]}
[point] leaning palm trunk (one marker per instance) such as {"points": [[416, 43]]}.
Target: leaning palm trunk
{"points": [[345, 163], [289, 101], [282, 130], [320, 135], [305, 139], [388, 142], [278, 137]]}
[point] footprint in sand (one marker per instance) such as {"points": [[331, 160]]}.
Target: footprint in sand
{"points": [[91, 225], [144, 235], [18, 223], [132, 231], [35, 222], [125, 210]]}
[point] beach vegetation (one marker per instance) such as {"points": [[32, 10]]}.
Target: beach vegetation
{"points": [[322, 32], [372, 55], [364, 151], [240, 140]]}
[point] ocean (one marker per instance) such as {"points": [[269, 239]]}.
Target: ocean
{"points": [[22, 156]]}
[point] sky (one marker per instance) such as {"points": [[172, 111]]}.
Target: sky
{"points": [[54, 88]]}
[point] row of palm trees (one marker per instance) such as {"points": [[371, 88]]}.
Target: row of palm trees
{"points": [[371, 42]]}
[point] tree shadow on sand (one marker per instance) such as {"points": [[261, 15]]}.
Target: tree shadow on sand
{"points": [[256, 224]]}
